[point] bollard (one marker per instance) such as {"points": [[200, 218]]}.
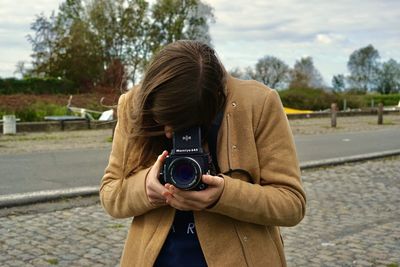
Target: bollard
{"points": [[333, 115], [9, 124], [380, 114]]}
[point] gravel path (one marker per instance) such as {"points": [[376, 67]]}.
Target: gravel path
{"points": [[34, 142], [344, 124]]}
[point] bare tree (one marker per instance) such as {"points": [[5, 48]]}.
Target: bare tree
{"points": [[272, 71], [305, 75], [389, 77], [363, 66]]}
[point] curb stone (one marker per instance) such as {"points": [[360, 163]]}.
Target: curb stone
{"points": [[348, 159], [12, 200]]}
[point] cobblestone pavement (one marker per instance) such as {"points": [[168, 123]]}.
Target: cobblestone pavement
{"points": [[352, 219], [35, 142]]}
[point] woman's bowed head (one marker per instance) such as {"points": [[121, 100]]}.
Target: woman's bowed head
{"points": [[183, 86]]}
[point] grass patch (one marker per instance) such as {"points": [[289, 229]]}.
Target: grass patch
{"points": [[52, 261], [385, 122], [330, 127], [392, 265], [109, 139], [34, 138], [116, 226]]}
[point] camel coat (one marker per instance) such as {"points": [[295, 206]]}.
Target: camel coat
{"points": [[242, 229]]}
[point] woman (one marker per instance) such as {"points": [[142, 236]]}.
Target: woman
{"points": [[235, 220]]}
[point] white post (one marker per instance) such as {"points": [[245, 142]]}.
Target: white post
{"points": [[9, 124]]}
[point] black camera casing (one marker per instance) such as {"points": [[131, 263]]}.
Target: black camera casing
{"points": [[186, 164]]}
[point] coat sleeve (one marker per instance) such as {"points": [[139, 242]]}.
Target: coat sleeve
{"points": [[121, 196], [279, 199]]}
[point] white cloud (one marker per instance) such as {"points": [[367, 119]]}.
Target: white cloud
{"points": [[329, 38], [326, 30]]}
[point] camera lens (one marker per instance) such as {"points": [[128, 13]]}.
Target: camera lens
{"points": [[185, 172]]}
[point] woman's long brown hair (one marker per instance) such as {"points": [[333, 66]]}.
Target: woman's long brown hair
{"points": [[183, 86]]}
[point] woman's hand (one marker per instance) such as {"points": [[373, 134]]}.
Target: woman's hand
{"points": [[154, 189], [195, 200]]}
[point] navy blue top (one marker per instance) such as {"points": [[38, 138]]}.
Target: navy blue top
{"points": [[182, 247]]}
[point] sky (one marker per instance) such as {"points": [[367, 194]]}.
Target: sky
{"points": [[328, 31]]}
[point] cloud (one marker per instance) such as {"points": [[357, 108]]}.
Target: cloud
{"points": [[326, 30], [329, 38]]}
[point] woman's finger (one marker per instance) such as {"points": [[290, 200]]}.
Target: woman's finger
{"points": [[160, 161]]}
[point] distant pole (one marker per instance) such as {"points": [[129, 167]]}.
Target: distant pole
{"points": [[333, 115], [344, 104], [380, 114], [372, 103]]}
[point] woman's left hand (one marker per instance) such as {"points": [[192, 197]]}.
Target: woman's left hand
{"points": [[195, 200]]}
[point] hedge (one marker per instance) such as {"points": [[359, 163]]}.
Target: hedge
{"points": [[307, 98], [386, 100], [10, 86], [36, 111], [319, 99]]}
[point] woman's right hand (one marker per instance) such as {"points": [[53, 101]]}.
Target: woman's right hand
{"points": [[154, 189]]}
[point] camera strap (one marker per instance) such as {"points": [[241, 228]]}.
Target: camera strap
{"points": [[212, 139]]}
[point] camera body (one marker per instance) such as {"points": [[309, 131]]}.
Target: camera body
{"points": [[186, 164]]}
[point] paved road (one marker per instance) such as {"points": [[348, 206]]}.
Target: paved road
{"points": [[51, 170], [65, 169], [326, 146], [352, 219]]}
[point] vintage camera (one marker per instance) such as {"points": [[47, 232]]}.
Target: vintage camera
{"points": [[186, 164]]}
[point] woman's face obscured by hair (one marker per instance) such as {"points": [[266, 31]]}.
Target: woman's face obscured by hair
{"points": [[182, 87]]}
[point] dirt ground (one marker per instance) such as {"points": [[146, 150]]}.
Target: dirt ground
{"points": [[34, 142], [344, 124]]}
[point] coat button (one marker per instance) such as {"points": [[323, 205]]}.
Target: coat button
{"points": [[234, 104], [234, 147], [245, 238]]}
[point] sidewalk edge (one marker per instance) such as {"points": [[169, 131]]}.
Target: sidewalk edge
{"points": [[349, 159], [12, 200]]}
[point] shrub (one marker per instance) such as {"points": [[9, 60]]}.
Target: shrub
{"points": [[353, 101], [363, 101], [36, 86], [318, 99], [36, 112], [386, 100], [307, 98]]}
